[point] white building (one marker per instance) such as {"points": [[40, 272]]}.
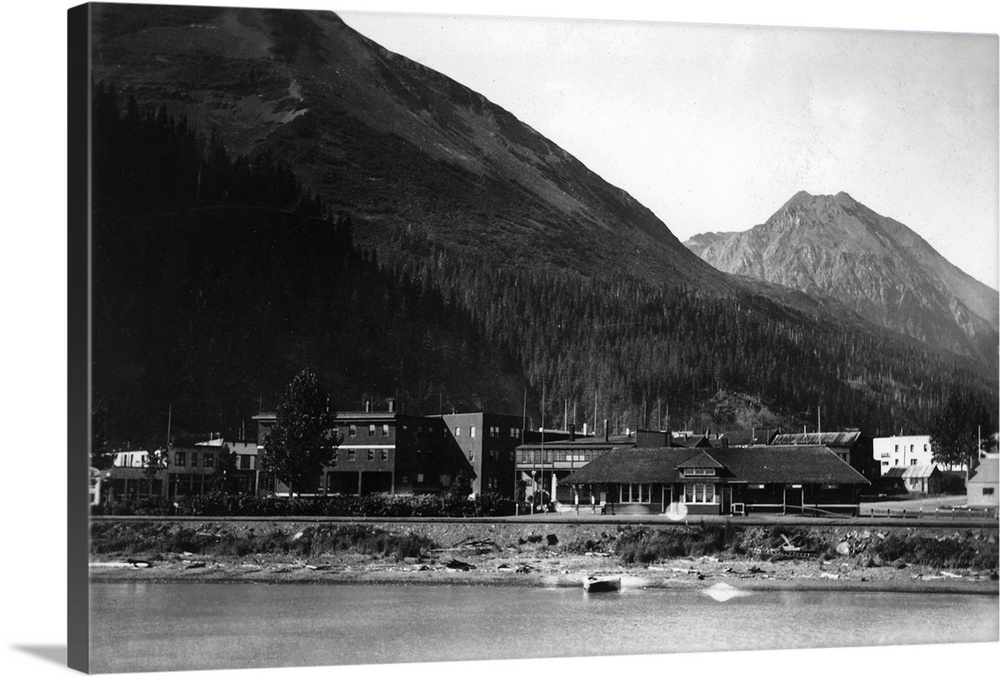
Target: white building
{"points": [[906, 451], [984, 485], [131, 458]]}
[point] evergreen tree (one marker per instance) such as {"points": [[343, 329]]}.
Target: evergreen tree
{"points": [[225, 478], [300, 444], [102, 456], [957, 428]]}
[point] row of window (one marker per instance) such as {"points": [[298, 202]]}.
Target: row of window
{"points": [[180, 459], [374, 430], [352, 430], [885, 463], [373, 454], [494, 432], [695, 493], [208, 460], [926, 449], [542, 457]]}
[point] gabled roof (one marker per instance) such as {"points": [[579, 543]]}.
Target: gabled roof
{"points": [[838, 439], [756, 464], [701, 460], [920, 471], [912, 472], [633, 465], [987, 472], [788, 464]]}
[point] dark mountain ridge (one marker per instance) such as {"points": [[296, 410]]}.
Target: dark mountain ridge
{"points": [[385, 139], [836, 246]]}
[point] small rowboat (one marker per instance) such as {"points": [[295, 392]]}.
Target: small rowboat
{"points": [[602, 584]]}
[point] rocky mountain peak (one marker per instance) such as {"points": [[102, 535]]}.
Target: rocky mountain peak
{"points": [[836, 246]]}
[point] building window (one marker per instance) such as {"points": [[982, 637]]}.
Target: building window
{"points": [[472, 456], [404, 479], [420, 478], [371, 430], [244, 462], [458, 431], [913, 461], [699, 493], [385, 430], [385, 454], [634, 493], [987, 491], [194, 459], [180, 458], [445, 480], [699, 471], [472, 431], [209, 460], [352, 455], [353, 431], [371, 453], [884, 455]]}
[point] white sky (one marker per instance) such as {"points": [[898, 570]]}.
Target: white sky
{"points": [[715, 127]]}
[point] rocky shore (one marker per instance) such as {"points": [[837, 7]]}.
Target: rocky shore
{"points": [[524, 554]]}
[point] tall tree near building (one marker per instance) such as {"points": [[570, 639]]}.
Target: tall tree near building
{"points": [[300, 444], [225, 478], [957, 429], [102, 456]]}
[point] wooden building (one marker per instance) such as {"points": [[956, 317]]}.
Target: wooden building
{"points": [[715, 481]]}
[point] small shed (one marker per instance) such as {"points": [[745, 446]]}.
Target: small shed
{"points": [[921, 478], [982, 486]]}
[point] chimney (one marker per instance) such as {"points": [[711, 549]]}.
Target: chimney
{"points": [[368, 405], [392, 405], [572, 432], [584, 429], [605, 429]]}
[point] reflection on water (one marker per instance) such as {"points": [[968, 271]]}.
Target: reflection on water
{"points": [[140, 627], [723, 592]]}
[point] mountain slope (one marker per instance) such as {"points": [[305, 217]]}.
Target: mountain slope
{"points": [[888, 274], [384, 138], [486, 256]]}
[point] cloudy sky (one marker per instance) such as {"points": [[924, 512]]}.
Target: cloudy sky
{"points": [[714, 127]]}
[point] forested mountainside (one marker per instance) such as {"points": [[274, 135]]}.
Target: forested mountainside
{"points": [[834, 245], [217, 278]]}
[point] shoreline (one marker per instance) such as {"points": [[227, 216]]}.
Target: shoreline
{"points": [[562, 572], [537, 554]]}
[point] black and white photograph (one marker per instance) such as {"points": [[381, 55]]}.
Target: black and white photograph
{"points": [[432, 338]]}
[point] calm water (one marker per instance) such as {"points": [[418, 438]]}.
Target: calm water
{"points": [[142, 627]]}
